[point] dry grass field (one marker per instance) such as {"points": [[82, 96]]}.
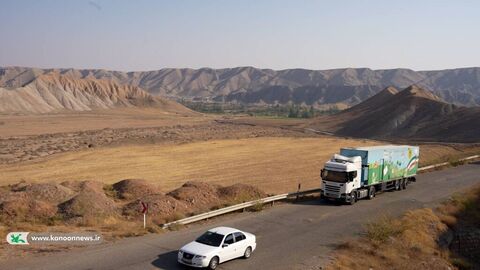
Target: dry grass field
{"points": [[272, 164], [438, 153], [26, 125]]}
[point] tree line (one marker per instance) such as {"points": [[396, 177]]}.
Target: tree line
{"points": [[277, 110]]}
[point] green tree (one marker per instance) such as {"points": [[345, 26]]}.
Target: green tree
{"points": [[312, 111], [305, 114], [293, 111]]}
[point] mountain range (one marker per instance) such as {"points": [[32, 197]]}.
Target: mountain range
{"points": [[253, 85]]}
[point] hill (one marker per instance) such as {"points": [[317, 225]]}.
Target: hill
{"points": [[253, 85], [413, 113], [54, 92]]}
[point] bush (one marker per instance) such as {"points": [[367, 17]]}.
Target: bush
{"points": [[455, 163], [462, 264], [257, 207], [111, 192], [383, 229]]}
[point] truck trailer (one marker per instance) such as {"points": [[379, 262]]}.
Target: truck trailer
{"points": [[362, 172]]}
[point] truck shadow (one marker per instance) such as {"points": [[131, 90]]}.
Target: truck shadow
{"points": [[316, 201], [168, 261]]}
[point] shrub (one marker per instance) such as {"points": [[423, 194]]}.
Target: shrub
{"points": [[455, 163], [256, 207], [111, 192], [462, 264], [384, 228]]}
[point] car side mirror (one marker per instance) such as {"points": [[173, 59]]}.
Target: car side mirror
{"points": [[224, 245]]}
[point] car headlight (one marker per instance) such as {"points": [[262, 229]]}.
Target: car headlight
{"points": [[180, 252], [200, 257]]}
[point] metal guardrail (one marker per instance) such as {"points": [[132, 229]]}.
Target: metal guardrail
{"points": [[446, 163], [237, 207], [284, 196]]}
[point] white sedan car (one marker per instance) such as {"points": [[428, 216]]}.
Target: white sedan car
{"points": [[216, 246]]}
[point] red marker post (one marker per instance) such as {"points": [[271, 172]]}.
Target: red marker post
{"points": [[144, 212]]}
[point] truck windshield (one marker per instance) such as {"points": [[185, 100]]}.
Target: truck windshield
{"points": [[334, 176]]}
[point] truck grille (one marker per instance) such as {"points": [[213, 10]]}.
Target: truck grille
{"points": [[332, 189]]}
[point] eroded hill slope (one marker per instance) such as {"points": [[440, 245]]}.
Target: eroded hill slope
{"points": [[411, 113], [53, 92]]}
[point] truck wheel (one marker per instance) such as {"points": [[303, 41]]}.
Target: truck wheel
{"points": [[404, 183], [353, 197], [397, 185], [371, 193]]}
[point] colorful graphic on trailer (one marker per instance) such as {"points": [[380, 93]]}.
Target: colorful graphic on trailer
{"points": [[386, 163]]}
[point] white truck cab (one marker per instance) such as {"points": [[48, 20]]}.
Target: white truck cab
{"points": [[361, 172], [340, 176]]}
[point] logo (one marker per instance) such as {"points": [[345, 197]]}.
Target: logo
{"points": [[17, 238], [412, 163]]}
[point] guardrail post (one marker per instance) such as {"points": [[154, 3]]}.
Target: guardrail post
{"points": [[298, 191]]}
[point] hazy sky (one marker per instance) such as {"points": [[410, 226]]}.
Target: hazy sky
{"points": [[148, 35]]}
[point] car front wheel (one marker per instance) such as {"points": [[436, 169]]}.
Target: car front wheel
{"points": [[213, 263], [248, 253]]}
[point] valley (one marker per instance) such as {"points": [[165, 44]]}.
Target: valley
{"points": [[272, 135], [80, 149]]}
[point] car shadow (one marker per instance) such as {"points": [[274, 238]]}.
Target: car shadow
{"points": [[168, 261]]}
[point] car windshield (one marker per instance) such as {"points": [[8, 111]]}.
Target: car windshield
{"points": [[211, 239], [334, 176]]}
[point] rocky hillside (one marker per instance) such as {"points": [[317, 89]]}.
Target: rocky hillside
{"points": [[253, 85], [54, 92], [411, 113], [87, 204]]}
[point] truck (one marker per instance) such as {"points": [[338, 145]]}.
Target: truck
{"points": [[362, 172]]}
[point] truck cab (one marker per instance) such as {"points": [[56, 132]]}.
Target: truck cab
{"points": [[340, 176], [361, 172]]}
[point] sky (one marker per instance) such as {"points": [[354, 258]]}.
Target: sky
{"points": [[145, 35]]}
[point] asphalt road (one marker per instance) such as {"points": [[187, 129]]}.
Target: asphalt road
{"points": [[289, 236]]}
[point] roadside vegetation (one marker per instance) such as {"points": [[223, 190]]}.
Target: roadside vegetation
{"points": [[443, 238]]}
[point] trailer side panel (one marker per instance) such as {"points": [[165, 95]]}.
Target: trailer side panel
{"points": [[385, 163]]}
